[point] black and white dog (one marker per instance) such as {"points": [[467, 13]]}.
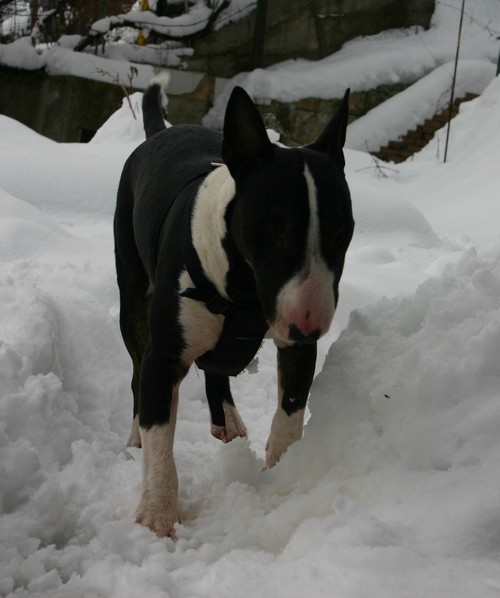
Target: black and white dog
{"points": [[221, 239]]}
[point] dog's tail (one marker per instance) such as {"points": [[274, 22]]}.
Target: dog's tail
{"points": [[152, 101]]}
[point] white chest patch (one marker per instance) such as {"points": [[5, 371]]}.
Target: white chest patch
{"points": [[208, 225], [194, 317]]}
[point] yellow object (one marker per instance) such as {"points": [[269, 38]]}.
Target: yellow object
{"points": [[141, 38]]}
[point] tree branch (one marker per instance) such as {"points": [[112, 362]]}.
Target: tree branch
{"points": [[165, 36]]}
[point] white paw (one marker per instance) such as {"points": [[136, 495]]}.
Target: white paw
{"points": [[285, 430], [272, 456], [159, 514], [158, 506], [234, 428], [135, 436]]}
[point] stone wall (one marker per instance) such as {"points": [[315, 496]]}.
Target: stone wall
{"points": [[302, 122]]}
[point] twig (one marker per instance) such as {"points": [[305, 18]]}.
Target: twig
{"points": [[127, 89], [379, 169]]}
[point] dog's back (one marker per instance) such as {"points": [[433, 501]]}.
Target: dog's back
{"points": [[150, 184]]}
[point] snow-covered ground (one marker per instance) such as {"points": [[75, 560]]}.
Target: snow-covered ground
{"points": [[394, 490]]}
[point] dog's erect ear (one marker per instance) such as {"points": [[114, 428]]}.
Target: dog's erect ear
{"points": [[245, 136], [332, 140]]}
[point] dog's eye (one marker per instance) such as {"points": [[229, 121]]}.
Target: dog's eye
{"points": [[277, 227], [337, 234]]}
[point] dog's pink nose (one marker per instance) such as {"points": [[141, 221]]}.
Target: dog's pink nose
{"points": [[305, 305], [305, 327]]}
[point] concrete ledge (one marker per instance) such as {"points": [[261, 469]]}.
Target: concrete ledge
{"points": [[70, 109]]}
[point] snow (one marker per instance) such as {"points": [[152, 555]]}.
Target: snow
{"points": [[60, 59], [186, 24], [194, 21], [393, 491], [420, 101], [395, 56]]}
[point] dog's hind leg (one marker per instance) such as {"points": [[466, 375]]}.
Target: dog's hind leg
{"points": [[295, 375], [226, 421], [158, 505], [161, 374], [133, 283], [135, 330]]}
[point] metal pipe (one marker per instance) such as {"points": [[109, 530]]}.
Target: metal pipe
{"points": [[452, 97], [259, 34]]}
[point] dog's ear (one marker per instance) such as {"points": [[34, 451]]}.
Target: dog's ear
{"points": [[245, 136], [332, 140]]}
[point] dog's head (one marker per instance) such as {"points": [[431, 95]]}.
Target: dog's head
{"points": [[291, 218]]}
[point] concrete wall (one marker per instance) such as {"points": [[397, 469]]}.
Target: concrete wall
{"points": [[61, 108], [309, 29], [71, 109]]}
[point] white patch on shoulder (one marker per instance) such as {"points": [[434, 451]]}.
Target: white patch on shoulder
{"points": [[307, 301], [208, 225]]}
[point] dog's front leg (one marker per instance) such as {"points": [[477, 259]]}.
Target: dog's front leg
{"points": [[295, 375], [226, 421], [157, 415]]}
